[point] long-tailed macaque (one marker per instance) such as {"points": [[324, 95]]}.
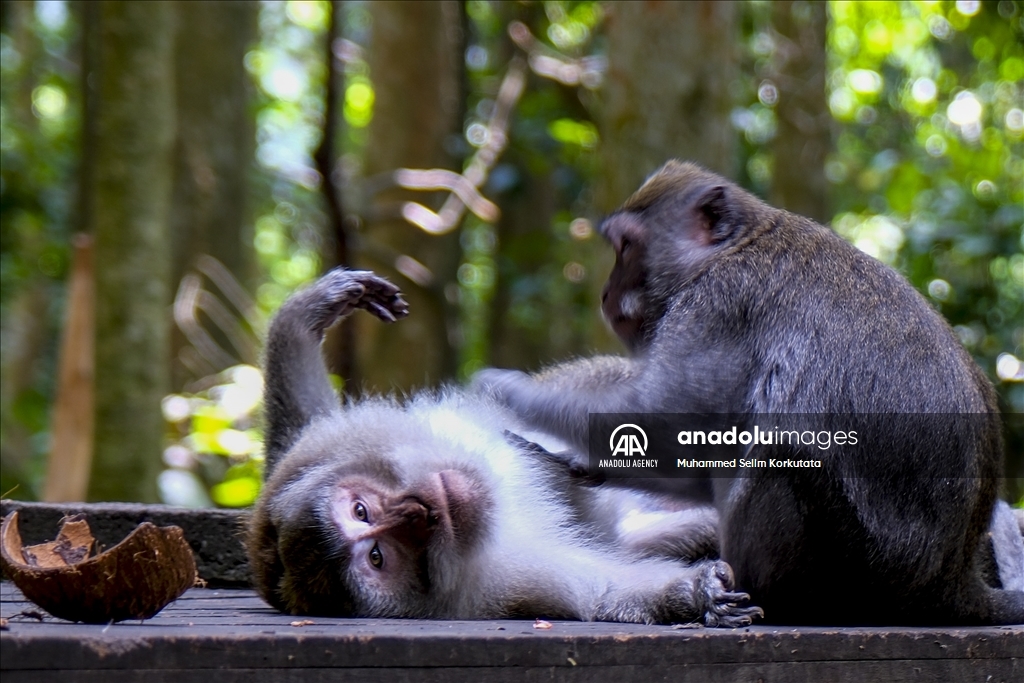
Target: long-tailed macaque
{"points": [[731, 306], [437, 506]]}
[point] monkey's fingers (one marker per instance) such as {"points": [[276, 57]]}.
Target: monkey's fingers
{"points": [[388, 308], [333, 297], [382, 298], [380, 311], [377, 295]]}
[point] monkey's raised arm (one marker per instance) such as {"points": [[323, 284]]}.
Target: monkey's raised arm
{"points": [[297, 387]]}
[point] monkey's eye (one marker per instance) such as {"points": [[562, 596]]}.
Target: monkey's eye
{"points": [[376, 556], [360, 512]]}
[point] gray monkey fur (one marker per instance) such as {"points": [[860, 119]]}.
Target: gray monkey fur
{"points": [[522, 538], [729, 305]]}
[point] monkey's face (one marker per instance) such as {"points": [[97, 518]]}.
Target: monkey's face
{"points": [[365, 543], [622, 300], [678, 223], [398, 539]]}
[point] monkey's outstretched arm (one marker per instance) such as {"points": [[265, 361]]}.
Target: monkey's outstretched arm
{"points": [[297, 387], [559, 400]]}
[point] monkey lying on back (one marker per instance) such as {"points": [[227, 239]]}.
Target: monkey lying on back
{"points": [[432, 508], [732, 306]]}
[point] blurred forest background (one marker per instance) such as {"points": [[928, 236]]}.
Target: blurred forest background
{"points": [[172, 170]]}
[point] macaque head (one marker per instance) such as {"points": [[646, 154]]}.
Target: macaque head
{"points": [[623, 299], [663, 237], [345, 536]]}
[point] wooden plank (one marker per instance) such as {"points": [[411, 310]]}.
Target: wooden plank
{"points": [[959, 671], [228, 635]]}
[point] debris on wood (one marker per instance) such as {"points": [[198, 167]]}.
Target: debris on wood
{"points": [[304, 622], [31, 614], [135, 579], [541, 624]]}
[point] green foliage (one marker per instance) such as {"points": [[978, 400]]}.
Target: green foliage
{"points": [[927, 101], [39, 137], [288, 68], [570, 132], [552, 143], [216, 448], [929, 160]]}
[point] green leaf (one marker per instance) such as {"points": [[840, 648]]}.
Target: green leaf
{"points": [[235, 493]]}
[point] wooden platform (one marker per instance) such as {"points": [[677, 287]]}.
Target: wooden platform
{"points": [[227, 635]]}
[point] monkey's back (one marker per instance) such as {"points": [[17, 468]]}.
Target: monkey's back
{"points": [[896, 519]]}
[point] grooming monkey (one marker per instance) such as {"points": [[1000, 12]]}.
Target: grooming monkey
{"points": [[434, 508], [731, 306]]}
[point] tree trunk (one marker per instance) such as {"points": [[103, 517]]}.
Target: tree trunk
{"points": [[415, 58], [26, 330], [803, 138], [71, 438], [133, 191], [339, 347], [666, 92], [214, 147], [521, 322]]}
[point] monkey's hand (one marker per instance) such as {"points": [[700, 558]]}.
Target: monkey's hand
{"points": [[340, 292], [566, 463], [715, 597]]}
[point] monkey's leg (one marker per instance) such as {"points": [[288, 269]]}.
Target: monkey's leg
{"points": [[645, 525], [1007, 547], [687, 535], [297, 386], [659, 592]]}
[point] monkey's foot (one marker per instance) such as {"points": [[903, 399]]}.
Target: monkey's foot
{"points": [[721, 605], [338, 293]]}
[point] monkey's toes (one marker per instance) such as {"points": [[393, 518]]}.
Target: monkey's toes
{"points": [[735, 617], [722, 605]]}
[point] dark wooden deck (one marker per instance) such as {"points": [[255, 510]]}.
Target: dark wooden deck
{"points": [[227, 635]]}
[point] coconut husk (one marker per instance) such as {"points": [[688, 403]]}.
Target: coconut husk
{"points": [[133, 580]]}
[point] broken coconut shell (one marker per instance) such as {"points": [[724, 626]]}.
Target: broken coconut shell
{"points": [[135, 579]]}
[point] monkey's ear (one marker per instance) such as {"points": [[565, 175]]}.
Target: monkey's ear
{"points": [[716, 213], [623, 225]]}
